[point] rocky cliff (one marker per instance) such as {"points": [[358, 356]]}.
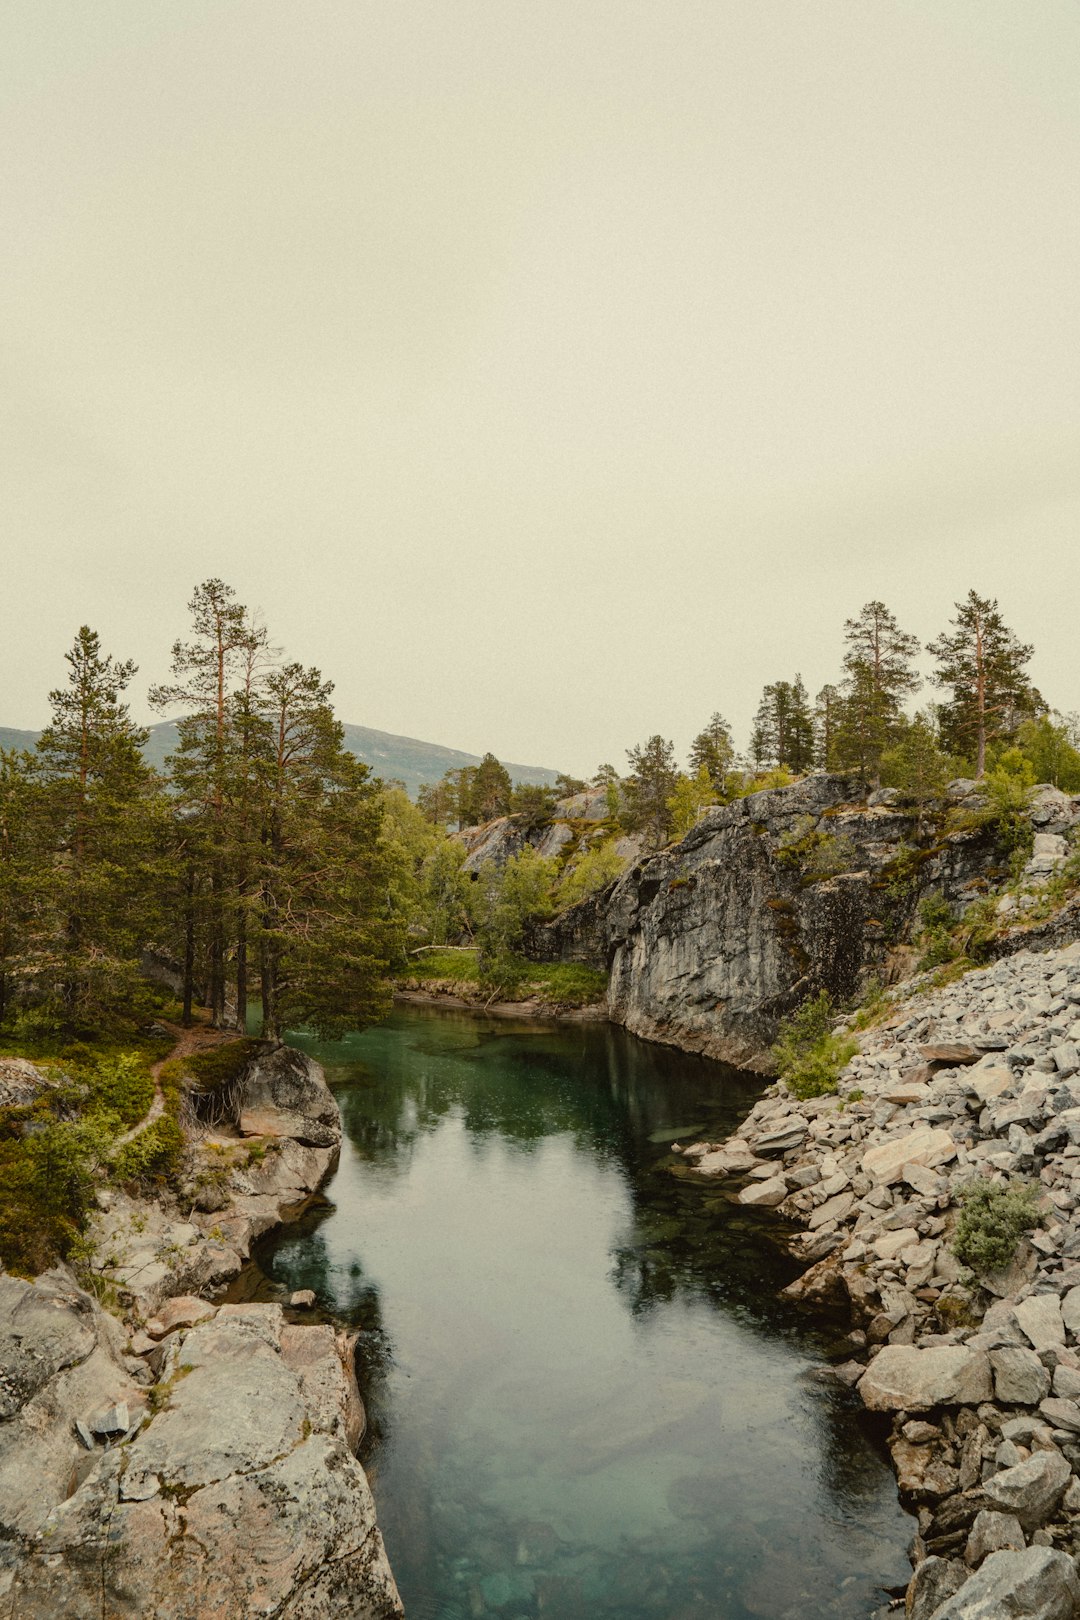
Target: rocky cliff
{"points": [[772, 898], [185, 1460]]}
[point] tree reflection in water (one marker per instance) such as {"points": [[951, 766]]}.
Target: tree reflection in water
{"points": [[586, 1396]]}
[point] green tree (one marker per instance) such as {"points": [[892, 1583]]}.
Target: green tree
{"points": [[324, 929], [213, 680], [712, 750], [877, 678], [25, 872], [916, 764], [567, 787], [102, 815], [504, 900], [981, 665], [692, 796], [445, 893], [597, 868], [491, 790], [783, 731], [1048, 744], [828, 717], [649, 787], [533, 805]]}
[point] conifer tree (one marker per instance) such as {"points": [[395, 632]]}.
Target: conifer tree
{"points": [[649, 788], [25, 861], [101, 813], [981, 664], [211, 765], [828, 717], [491, 790], [712, 750], [877, 677], [783, 731]]}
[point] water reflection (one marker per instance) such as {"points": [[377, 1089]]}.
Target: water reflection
{"points": [[585, 1397]]}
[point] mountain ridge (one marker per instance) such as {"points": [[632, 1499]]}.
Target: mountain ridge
{"points": [[408, 760]]}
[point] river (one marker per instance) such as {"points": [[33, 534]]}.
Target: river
{"points": [[585, 1400]]}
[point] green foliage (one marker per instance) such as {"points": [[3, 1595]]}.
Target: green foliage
{"points": [[597, 868], [152, 1157], [648, 790], [560, 984], [877, 677], [1049, 746], [713, 752], [981, 665], [935, 937], [1008, 790], [783, 734], [815, 854], [915, 764], [808, 1056], [993, 1218], [503, 901], [445, 890], [217, 1066], [692, 796]]}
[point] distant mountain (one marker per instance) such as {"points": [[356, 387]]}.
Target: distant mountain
{"points": [[400, 759]]}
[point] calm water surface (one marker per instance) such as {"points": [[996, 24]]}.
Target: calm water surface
{"points": [[584, 1399]]}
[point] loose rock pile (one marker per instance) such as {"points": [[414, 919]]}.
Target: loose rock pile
{"points": [[981, 1376]]}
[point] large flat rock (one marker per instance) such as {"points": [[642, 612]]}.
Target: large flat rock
{"points": [[903, 1378], [1036, 1584], [240, 1498]]}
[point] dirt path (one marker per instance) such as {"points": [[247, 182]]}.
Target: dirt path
{"points": [[199, 1038]]}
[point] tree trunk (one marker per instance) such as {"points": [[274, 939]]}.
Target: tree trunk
{"points": [[189, 946]]}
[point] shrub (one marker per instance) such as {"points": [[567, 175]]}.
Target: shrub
{"points": [[152, 1157], [809, 1057], [993, 1218]]}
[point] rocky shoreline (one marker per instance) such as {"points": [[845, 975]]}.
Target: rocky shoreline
{"points": [[979, 1376], [182, 1459]]}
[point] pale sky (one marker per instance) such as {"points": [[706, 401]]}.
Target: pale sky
{"points": [[548, 373]]}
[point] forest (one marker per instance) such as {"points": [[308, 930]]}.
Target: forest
{"points": [[287, 885]]}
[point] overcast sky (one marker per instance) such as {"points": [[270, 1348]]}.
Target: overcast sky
{"points": [[548, 373]]}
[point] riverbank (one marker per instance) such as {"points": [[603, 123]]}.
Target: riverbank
{"points": [[977, 1370], [155, 1423], [436, 993]]}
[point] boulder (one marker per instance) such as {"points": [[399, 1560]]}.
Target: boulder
{"points": [[184, 1311], [1020, 1379], [993, 1532], [1036, 1584], [935, 1580], [284, 1093], [1031, 1490], [1040, 1320], [903, 1378], [768, 1193], [956, 1054], [924, 1145]]}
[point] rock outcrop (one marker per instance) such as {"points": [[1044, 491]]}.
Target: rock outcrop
{"points": [[975, 1082], [228, 1487], [769, 899], [243, 1182]]}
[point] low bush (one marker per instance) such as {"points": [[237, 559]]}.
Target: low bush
{"points": [[809, 1057], [152, 1157], [993, 1218]]}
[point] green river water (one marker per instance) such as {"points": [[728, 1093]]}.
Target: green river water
{"points": [[585, 1400]]}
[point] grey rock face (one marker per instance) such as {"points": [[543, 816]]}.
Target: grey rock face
{"points": [[284, 1093], [1020, 1379], [241, 1497], [1037, 1584], [710, 943]]}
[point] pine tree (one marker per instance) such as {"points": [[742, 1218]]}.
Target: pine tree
{"points": [[828, 718], [982, 665], [491, 790], [102, 815], [712, 750], [24, 860], [877, 677], [648, 789], [213, 675], [783, 731]]}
